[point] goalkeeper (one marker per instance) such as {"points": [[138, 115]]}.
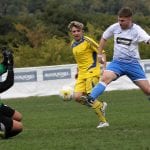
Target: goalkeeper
{"points": [[10, 119], [85, 53]]}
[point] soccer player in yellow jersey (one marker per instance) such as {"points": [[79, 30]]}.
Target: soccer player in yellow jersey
{"points": [[88, 69]]}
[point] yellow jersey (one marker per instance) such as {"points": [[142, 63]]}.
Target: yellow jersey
{"points": [[85, 54]]}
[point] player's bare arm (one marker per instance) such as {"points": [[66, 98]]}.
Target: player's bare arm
{"points": [[100, 51]]}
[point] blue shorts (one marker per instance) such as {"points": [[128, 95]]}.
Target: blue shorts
{"points": [[133, 70]]}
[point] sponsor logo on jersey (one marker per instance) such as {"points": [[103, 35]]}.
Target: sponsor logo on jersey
{"points": [[123, 41]]}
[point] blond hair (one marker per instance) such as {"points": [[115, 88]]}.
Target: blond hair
{"points": [[76, 24]]}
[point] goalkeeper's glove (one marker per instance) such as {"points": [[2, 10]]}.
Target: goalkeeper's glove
{"points": [[8, 58]]}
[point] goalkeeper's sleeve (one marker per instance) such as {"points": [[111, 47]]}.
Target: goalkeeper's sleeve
{"points": [[9, 81], [2, 69]]}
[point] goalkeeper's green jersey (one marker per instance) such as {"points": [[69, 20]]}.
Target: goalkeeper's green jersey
{"points": [[2, 69]]}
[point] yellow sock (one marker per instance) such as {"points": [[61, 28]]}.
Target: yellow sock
{"points": [[97, 106]]}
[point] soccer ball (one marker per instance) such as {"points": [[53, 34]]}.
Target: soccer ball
{"points": [[66, 93]]}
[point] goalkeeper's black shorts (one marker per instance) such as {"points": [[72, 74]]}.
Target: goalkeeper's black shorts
{"points": [[6, 114]]}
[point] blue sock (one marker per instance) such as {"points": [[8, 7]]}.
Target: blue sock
{"points": [[98, 90]]}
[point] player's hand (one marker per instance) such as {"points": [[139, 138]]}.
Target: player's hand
{"points": [[100, 59], [8, 58]]}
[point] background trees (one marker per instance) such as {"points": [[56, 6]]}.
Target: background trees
{"points": [[37, 30]]}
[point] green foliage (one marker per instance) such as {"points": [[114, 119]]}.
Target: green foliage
{"points": [[57, 17], [144, 51], [56, 51], [53, 51], [38, 28]]}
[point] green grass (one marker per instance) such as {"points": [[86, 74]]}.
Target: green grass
{"points": [[52, 124]]}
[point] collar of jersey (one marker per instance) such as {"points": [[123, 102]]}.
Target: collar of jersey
{"points": [[75, 43]]}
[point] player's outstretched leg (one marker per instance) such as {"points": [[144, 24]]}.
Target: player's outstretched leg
{"points": [[99, 108]]}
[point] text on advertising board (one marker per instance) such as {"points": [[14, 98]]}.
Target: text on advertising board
{"points": [[57, 74], [26, 76]]}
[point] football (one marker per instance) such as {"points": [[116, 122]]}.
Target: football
{"points": [[66, 93]]}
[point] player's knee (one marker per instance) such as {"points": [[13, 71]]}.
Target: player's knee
{"points": [[17, 116], [108, 77], [17, 126], [77, 98], [147, 92], [20, 127]]}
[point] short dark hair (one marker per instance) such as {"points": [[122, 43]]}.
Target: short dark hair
{"points": [[125, 12]]}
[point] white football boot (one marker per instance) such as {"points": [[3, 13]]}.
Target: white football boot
{"points": [[103, 124]]}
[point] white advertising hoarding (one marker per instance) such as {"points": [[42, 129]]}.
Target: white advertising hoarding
{"points": [[48, 80]]}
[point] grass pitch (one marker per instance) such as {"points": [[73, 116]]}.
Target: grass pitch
{"points": [[52, 124]]}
